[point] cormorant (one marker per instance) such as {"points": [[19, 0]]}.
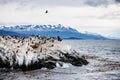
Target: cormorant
{"points": [[46, 11], [59, 39]]}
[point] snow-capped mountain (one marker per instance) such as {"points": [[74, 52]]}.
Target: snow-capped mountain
{"points": [[48, 30]]}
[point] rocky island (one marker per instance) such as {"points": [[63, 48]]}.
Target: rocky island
{"points": [[29, 53]]}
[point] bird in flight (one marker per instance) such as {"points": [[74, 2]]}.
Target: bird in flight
{"points": [[46, 11]]}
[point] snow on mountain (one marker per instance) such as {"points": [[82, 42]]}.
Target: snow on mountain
{"points": [[50, 30], [9, 33]]}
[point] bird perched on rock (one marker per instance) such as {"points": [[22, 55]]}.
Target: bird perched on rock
{"points": [[59, 39]]}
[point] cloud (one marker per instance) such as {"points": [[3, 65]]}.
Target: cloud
{"points": [[112, 15], [74, 3], [97, 2], [117, 1], [100, 16]]}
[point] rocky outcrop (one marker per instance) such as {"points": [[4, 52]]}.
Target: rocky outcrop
{"points": [[35, 53]]}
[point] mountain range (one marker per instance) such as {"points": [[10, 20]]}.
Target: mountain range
{"points": [[47, 30]]}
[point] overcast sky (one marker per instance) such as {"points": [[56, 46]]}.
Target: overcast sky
{"points": [[96, 16]]}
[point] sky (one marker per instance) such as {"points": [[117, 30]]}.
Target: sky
{"points": [[91, 16]]}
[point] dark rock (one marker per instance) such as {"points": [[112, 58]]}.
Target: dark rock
{"points": [[74, 60], [4, 64], [50, 64]]}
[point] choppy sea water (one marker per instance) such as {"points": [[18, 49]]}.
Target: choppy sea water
{"points": [[103, 57]]}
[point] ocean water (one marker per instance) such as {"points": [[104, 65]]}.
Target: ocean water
{"points": [[103, 57], [105, 48]]}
